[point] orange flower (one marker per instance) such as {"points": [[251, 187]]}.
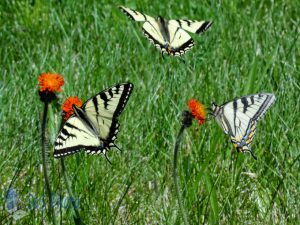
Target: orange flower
{"points": [[198, 110], [50, 82], [67, 107]]}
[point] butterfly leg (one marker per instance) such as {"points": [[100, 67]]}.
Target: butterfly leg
{"points": [[107, 159], [182, 60], [252, 154], [117, 147]]}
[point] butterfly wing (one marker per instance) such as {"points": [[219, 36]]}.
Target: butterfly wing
{"points": [[242, 143], [152, 32], [104, 108], [151, 27], [73, 136], [238, 118], [180, 41], [177, 42], [192, 26], [135, 15]]}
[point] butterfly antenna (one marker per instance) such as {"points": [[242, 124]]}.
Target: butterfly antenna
{"points": [[210, 115], [107, 159]]}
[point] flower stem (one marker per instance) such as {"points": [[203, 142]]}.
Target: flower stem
{"points": [[185, 123], [177, 188], [77, 218], [51, 212]]}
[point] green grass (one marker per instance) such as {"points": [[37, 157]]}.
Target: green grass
{"points": [[251, 47]]}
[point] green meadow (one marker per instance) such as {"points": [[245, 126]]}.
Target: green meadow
{"points": [[252, 47]]}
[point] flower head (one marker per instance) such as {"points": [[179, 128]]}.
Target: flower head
{"points": [[51, 82], [67, 107], [198, 110]]}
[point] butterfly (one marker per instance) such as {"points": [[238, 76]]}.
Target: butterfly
{"points": [[239, 117], [168, 35], [94, 126]]}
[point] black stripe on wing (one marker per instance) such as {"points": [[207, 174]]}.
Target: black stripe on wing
{"points": [[263, 108], [74, 149], [204, 27], [67, 151], [124, 97], [234, 103], [245, 104], [60, 139]]}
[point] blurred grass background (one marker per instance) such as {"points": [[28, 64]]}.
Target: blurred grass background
{"points": [[253, 46]]}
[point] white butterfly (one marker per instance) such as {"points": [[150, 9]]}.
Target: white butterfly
{"points": [[94, 126], [238, 118], [168, 35]]}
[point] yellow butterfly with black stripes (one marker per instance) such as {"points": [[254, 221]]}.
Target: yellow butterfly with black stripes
{"points": [[170, 36], [239, 117]]}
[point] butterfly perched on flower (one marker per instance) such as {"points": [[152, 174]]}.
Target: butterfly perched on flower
{"points": [[94, 126]]}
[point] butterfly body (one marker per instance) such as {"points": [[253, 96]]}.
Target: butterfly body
{"points": [[170, 36], [94, 126], [239, 117]]}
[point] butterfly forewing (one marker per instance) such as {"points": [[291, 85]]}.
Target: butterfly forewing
{"points": [[135, 15], [151, 31], [104, 108], [192, 26], [73, 136]]}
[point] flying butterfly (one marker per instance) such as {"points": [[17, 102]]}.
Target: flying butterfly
{"points": [[170, 36], [239, 117], [94, 126]]}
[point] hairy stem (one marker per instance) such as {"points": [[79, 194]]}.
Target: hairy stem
{"points": [[177, 188], [51, 212]]}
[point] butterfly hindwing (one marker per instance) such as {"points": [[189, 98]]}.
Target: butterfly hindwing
{"points": [[94, 126], [180, 40], [151, 31]]}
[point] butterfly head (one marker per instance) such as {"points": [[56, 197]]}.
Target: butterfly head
{"points": [[214, 108], [160, 19]]}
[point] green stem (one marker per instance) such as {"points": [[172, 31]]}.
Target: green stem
{"points": [[77, 218], [51, 212], [177, 188]]}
